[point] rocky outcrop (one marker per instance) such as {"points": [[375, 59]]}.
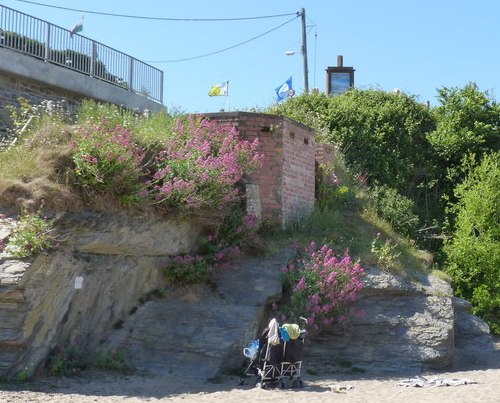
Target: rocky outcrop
{"points": [[105, 266], [197, 331], [96, 286], [403, 325]]}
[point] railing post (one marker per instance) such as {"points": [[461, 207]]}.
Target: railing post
{"points": [[131, 74], [93, 59], [161, 86], [47, 44]]}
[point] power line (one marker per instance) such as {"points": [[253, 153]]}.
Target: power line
{"points": [[225, 49], [156, 18]]}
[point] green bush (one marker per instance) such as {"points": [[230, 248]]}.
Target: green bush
{"points": [[331, 192], [473, 252], [74, 358], [394, 208]]}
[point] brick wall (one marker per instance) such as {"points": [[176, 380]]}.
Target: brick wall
{"points": [[283, 189], [325, 154]]}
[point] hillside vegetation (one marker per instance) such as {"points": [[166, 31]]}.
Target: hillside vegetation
{"points": [[399, 185], [430, 172]]}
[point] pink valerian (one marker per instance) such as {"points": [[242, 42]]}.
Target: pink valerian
{"points": [[325, 285], [208, 155]]}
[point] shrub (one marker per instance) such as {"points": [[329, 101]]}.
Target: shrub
{"points": [[387, 257], [236, 233], [331, 193], [68, 360], [394, 208], [108, 161], [188, 269], [473, 252], [321, 287], [199, 166], [74, 357]]}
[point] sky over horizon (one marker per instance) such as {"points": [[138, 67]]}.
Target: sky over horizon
{"points": [[415, 46]]}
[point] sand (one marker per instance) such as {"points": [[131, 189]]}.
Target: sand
{"points": [[483, 386], [479, 374]]}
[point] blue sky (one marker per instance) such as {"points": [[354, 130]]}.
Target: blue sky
{"points": [[417, 46]]}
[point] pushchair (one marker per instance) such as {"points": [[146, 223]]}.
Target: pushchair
{"points": [[276, 357]]}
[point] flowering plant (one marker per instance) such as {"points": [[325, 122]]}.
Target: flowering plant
{"points": [[330, 192], [200, 165], [321, 286], [107, 160], [216, 251]]}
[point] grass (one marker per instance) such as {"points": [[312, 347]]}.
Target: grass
{"points": [[351, 229], [37, 168]]}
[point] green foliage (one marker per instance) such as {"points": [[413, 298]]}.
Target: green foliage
{"points": [[69, 360], [468, 122], [468, 127], [235, 234], [309, 109], [331, 192], [113, 359], [32, 235], [25, 375], [95, 113], [474, 249], [75, 357], [108, 161], [152, 131], [386, 254], [188, 269], [382, 135], [394, 208]]}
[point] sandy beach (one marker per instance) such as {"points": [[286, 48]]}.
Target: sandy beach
{"points": [[481, 385]]}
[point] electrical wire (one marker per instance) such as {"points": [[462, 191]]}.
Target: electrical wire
{"points": [[158, 18], [222, 50]]}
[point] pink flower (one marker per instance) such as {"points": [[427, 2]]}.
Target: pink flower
{"points": [[301, 285]]}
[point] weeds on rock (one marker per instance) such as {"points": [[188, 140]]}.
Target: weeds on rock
{"points": [[75, 358], [32, 235]]}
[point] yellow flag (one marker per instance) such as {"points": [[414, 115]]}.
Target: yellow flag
{"points": [[219, 90]]}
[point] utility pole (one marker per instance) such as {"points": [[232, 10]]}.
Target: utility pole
{"points": [[304, 50]]}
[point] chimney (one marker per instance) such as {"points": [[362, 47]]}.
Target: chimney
{"points": [[340, 61]]}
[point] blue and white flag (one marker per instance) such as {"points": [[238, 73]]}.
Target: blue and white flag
{"points": [[285, 90]]}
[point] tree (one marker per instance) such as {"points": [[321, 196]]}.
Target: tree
{"points": [[468, 127], [473, 252], [468, 121]]}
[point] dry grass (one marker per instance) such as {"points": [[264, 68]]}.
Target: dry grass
{"points": [[19, 195]]}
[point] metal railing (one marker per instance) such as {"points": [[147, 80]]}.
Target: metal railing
{"points": [[41, 39]]}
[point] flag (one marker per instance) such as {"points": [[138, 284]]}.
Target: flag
{"points": [[219, 90], [285, 90], [78, 27]]}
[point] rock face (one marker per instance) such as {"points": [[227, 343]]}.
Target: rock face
{"points": [[399, 325], [105, 267], [197, 331], [99, 285]]}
